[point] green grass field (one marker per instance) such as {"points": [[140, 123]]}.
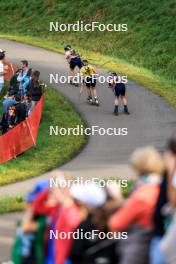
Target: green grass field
{"points": [[11, 204], [146, 52], [17, 203], [51, 151]]}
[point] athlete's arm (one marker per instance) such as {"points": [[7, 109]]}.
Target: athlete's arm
{"points": [[113, 87], [95, 71]]}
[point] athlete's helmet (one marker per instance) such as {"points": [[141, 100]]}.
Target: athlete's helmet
{"points": [[112, 74], [112, 78], [67, 47], [85, 62], [73, 52]]}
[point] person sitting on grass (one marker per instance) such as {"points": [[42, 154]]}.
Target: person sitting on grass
{"points": [[9, 120]]}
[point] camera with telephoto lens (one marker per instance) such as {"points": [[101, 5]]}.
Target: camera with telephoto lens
{"points": [[43, 86]]}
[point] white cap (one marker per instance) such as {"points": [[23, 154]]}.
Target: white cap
{"points": [[89, 193]]}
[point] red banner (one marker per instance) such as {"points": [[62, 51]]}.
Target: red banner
{"points": [[23, 136]]}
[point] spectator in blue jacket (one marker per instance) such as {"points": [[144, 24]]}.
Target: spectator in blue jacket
{"points": [[25, 82], [22, 74], [8, 101]]}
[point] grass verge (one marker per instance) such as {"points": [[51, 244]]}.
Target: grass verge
{"points": [[11, 204], [16, 204], [159, 85], [50, 151]]}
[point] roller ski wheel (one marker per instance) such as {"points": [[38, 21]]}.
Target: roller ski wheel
{"points": [[95, 102], [116, 113], [126, 112], [73, 83]]}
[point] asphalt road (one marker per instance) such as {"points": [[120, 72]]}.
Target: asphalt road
{"points": [[151, 122]]}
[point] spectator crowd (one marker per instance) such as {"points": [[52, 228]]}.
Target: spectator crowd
{"points": [[145, 218], [23, 93]]}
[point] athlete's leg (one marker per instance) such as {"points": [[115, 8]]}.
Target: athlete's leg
{"points": [[75, 62], [93, 91], [116, 106], [124, 102], [89, 93], [94, 95], [72, 72], [72, 67], [93, 87]]}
